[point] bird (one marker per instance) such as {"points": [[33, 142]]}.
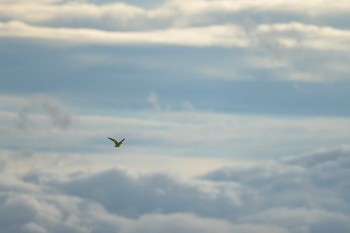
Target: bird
{"points": [[117, 144]]}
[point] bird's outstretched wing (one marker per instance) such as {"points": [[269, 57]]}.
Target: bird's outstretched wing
{"points": [[115, 141]]}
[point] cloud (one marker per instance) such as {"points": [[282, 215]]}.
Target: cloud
{"points": [[74, 12], [225, 33], [132, 196], [221, 35], [165, 13], [54, 179], [303, 220], [153, 100], [287, 36], [296, 183], [156, 104], [284, 196], [37, 121], [56, 113], [296, 34], [43, 122], [289, 40], [48, 210], [190, 224]]}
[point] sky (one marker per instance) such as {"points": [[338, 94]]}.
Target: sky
{"points": [[236, 115]]}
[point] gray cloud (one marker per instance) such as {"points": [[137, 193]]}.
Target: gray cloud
{"points": [[135, 196], [302, 219], [58, 116], [316, 181], [304, 194]]}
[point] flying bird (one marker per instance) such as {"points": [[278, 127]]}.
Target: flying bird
{"points": [[117, 144]]}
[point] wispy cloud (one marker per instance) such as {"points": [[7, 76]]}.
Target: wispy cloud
{"points": [[206, 36], [153, 100], [293, 35], [302, 35], [185, 131], [56, 113]]}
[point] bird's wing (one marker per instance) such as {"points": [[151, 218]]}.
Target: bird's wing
{"points": [[122, 140], [115, 141]]}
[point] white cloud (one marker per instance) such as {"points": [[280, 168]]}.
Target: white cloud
{"points": [[294, 40], [36, 12], [153, 101], [221, 35], [289, 35], [296, 34], [170, 12]]}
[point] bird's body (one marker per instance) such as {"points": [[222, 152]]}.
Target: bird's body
{"points": [[117, 144]]}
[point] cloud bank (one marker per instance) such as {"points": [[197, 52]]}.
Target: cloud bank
{"points": [[306, 194]]}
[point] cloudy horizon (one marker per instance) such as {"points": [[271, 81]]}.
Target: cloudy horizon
{"points": [[236, 116]]}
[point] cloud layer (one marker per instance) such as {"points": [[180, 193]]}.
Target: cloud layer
{"points": [[283, 40], [287, 38], [304, 194]]}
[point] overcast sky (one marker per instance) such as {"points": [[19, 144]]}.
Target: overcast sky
{"points": [[236, 116]]}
